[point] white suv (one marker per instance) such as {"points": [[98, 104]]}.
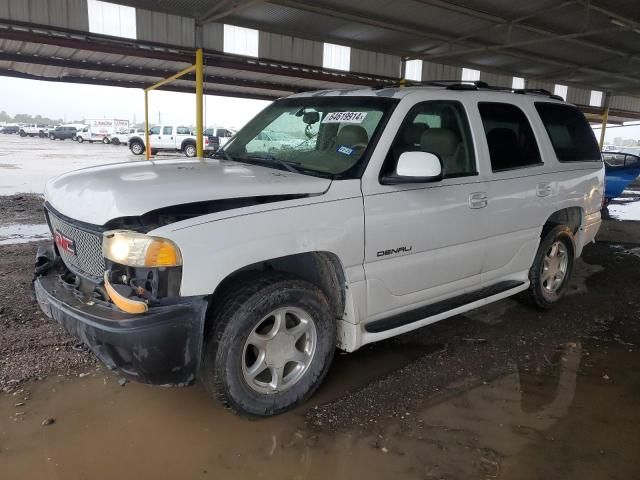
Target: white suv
{"points": [[393, 209]]}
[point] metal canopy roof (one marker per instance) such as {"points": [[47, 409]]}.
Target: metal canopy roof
{"points": [[588, 44], [591, 43]]}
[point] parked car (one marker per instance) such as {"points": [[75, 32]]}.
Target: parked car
{"points": [[123, 138], [34, 130], [246, 271], [621, 169], [62, 133], [9, 129], [270, 141], [166, 138], [218, 137]]}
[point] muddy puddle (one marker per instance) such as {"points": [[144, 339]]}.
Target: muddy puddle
{"points": [[545, 424], [13, 234]]}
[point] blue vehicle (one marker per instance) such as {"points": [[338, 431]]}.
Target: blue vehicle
{"points": [[620, 170]]}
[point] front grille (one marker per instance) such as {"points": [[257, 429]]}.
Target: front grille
{"points": [[88, 261]]}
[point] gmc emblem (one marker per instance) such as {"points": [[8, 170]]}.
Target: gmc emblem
{"points": [[65, 243]]}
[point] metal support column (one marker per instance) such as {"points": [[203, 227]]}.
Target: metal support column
{"points": [[199, 97], [605, 118], [147, 150]]}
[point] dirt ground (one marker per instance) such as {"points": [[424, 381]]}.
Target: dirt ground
{"points": [[505, 391]]}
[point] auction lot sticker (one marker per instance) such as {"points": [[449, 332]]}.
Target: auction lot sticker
{"points": [[345, 117]]}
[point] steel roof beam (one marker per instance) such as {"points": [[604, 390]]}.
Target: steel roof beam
{"points": [[142, 71], [133, 84], [224, 9], [518, 24], [361, 17]]}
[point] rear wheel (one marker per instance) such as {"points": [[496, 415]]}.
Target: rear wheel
{"points": [[552, 267], [270, 347], [136, 147], [106, 141], [189, 150]]}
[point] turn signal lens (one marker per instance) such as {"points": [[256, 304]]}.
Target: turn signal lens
{"points": [[139, 250]]}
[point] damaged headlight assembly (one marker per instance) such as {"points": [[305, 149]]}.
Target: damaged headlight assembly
{"points": [[142, 270], [135, 249]]}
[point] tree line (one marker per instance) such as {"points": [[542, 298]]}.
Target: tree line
{"points": [[26, 118]]}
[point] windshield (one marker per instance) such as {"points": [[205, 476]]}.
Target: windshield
{"points": [[327, 136]]}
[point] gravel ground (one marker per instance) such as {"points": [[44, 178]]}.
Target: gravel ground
{"points": [[25, 208], [497, 339], [31, 346]]}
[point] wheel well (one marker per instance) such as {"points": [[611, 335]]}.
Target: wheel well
{"points": [[571, 217], [186, 142], [322, 269]]}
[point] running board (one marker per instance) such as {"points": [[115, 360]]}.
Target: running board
{"points": [[437, 308]]}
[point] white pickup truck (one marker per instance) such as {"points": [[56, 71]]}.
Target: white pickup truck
{"points": [[166, 138], [394, 209], [34, 130]]}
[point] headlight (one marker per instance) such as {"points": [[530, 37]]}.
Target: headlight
{"points": [[139, 250]]}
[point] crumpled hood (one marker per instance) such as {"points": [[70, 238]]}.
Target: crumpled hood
{"points": [[98, 194]]}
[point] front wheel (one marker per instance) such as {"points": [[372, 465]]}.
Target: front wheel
{"points": [[270, 346], [551, 270], [23, 133], [115, 141], [79, 139]]}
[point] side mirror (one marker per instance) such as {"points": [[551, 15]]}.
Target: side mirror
{"points": [[415, 167]]}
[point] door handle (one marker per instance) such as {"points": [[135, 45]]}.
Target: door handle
{"points": [[544, 189], [478, 200]]}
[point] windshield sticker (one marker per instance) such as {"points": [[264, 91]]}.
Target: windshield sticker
{"points": [[343, 149], [345, 117]]}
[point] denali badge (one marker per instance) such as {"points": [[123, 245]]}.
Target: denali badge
{"points": [[393, 251], [65, 243]]}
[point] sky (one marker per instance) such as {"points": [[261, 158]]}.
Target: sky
{"points": [[75, 101]]}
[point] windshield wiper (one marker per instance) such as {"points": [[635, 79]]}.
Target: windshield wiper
{"points": [[271, 159], [224, 153]]}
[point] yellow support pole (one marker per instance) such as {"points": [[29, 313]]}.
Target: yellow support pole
{"points": [[147, 149], [199, 97], [605, 117]]}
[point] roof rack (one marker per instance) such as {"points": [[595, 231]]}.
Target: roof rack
{"points": [[471, 85]]}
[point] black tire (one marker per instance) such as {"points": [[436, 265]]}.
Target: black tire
{"points": [[537, 294], [136, 147], [79, 139], [233, 321], [106, 141], [189, 150], [115, 141], [41, 134]]}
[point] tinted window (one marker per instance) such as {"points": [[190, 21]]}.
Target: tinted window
{"points": [[509, 136], [569, 132], [154, 131], [167, 130], [438, 127], [184, 131]]}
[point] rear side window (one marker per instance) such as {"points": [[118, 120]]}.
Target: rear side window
{"points": [[183, 131], [167, 130], [510, 137], [569, 132]]}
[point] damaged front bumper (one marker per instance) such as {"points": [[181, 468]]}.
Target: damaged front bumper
{"points": [[161, 346]]}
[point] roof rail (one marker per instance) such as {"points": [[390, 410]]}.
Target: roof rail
{"points": [[471, 85]]}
